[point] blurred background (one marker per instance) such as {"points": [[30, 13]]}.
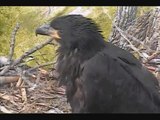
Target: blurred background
{"points": [[31, 17]]}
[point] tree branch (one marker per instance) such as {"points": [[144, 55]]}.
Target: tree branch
{"points": [[12, 42], [19, 60]]}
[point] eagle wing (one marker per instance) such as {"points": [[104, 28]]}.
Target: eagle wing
{"points": [[117, 82]]}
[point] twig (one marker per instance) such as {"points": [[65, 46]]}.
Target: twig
{"points": [[42, 71], [24, 94], [152, 56], [8, 98], [33, 58], [42, 55], [19, 82], [39, 66]]}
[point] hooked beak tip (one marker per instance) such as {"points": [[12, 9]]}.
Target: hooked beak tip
{"points": [[48, 31]]}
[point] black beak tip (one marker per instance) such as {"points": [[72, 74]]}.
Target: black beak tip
{"points": [[36, 32], [39, 31]]}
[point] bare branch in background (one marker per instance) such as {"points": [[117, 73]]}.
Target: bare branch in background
{"points": [[123, 35], [12, 42], [141, 35], [125, 17], [31, 51], [26, 54]]}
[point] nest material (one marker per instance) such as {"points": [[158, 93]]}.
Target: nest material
{"points": [[46, 97]]}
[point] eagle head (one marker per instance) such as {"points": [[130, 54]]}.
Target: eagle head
{"points": [[73, 32]]}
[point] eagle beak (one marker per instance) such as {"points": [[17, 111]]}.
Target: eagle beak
{"points": [[48, 31]]}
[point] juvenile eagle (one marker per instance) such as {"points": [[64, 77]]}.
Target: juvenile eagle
{"points": [[99, 77]]}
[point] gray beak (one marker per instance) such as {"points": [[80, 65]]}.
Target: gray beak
{"points": [[48, 31], [43, 30]]}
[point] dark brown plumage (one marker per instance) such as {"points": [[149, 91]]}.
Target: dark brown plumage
{"points": [[99, 77]]}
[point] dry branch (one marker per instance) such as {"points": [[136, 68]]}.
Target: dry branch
{"points": [[12, 42], [24, 94], [152, 56], [8, 79], [141, 35], [19, 83], [31, 51], [131, 45], [39, 66], [123, 35], [8, 98], [26, 54]]}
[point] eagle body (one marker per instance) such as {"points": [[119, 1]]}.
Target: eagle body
{"points": [[100, 77]]}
